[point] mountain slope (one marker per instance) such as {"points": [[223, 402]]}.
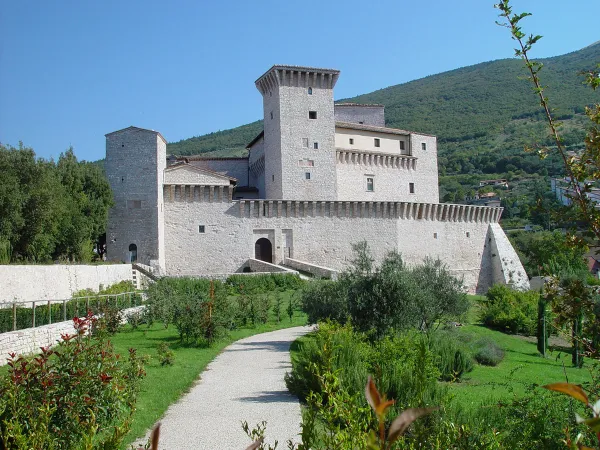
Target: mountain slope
{"points": [[482, 114]]}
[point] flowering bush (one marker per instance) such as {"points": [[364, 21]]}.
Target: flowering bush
{"points": [[78, 395]]}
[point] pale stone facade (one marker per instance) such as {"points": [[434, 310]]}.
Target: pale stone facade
{"points": [[317, 179]]}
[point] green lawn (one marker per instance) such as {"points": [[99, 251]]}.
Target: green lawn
{"points": [[163, 385], [522, 365]]}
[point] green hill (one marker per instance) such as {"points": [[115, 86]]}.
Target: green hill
{"points": [[483, 115]]}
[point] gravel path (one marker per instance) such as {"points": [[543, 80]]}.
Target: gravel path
{"points": [[245, 382]]}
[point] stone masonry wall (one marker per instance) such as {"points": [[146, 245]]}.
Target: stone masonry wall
{"points": [[30, 282], [324, 239], [368, 115], [29, 341]]}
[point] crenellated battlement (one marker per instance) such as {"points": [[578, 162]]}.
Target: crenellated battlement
{"points": [[197, 193], [442, 212]]}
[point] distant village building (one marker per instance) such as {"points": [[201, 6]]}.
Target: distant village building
{"points": [[564, 192], [319, 178], [499, 182]]}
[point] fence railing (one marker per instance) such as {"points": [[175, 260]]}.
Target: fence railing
{"points": [[19, 315]]}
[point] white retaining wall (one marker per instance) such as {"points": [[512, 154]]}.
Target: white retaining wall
{"points": [[30, 340], [31, 282]]}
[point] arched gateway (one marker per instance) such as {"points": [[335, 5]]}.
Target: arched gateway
{"points": [[263, 250]]}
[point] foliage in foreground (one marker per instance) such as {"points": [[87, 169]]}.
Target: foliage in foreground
{"points": [[78, 395]]}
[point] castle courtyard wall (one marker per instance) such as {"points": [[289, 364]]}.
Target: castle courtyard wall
{"points": [[324, 235]]}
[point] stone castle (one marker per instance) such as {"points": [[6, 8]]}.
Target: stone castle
{"points": [[320, 177]]}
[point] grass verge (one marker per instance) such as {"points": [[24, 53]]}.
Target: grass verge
{"points": [[522, 366]]}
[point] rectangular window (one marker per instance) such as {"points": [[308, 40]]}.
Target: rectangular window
{"points": [[423, 146], [370, 184], [134, 204], [377, 142], [316, 145], [201, 229], [273, 177], [304, 142], [411, 188], [307, 175], [271, 115], [351, 141], [435, 235], [312, 114], [401, 145]]}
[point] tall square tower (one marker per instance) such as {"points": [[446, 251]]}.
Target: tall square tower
{"points": [[299, 132]]}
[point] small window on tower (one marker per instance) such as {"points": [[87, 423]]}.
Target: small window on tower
{"points": [[201, 229], [370, 184], [305, 142], [411, 188], [377, 142], [273, 177], [312, 114], [401, 145], [309, 91], [423, 146], [307, 175], [316, 145], [351, 141], [271, 115]]}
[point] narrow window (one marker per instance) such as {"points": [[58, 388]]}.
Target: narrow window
{"points": [[307, 175], [271, 115], [304, 142], [435, 235], [370, 184], [273, 177], [423, 146], [312, 114], [411, 188], [401, 145], [351, 141], [309, 91], [377, 142], [316, 145], [270, 94], [201, 229], [468, 234]]}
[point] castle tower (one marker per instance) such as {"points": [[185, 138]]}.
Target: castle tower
{"points": [[135, 164], [299, 132]]}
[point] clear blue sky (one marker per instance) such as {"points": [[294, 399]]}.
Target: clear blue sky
{"points": [[72, 71]]}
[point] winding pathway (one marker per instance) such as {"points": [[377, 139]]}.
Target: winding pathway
{"points": [[245, 382]]}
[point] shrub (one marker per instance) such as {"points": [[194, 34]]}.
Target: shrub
{"points": [[510, 311], [263, 283], [391, 297], [70, 396], [165, 354], [487, 352], [451, 355], [325, 300], [198, 308]]}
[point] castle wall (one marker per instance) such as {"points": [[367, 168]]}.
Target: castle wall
{"points": [[57, 282], [322, 233], [368, 115], [231, 167], [365, 140], [189, 176], [256, 161], [135, 162], [427, 165]]}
